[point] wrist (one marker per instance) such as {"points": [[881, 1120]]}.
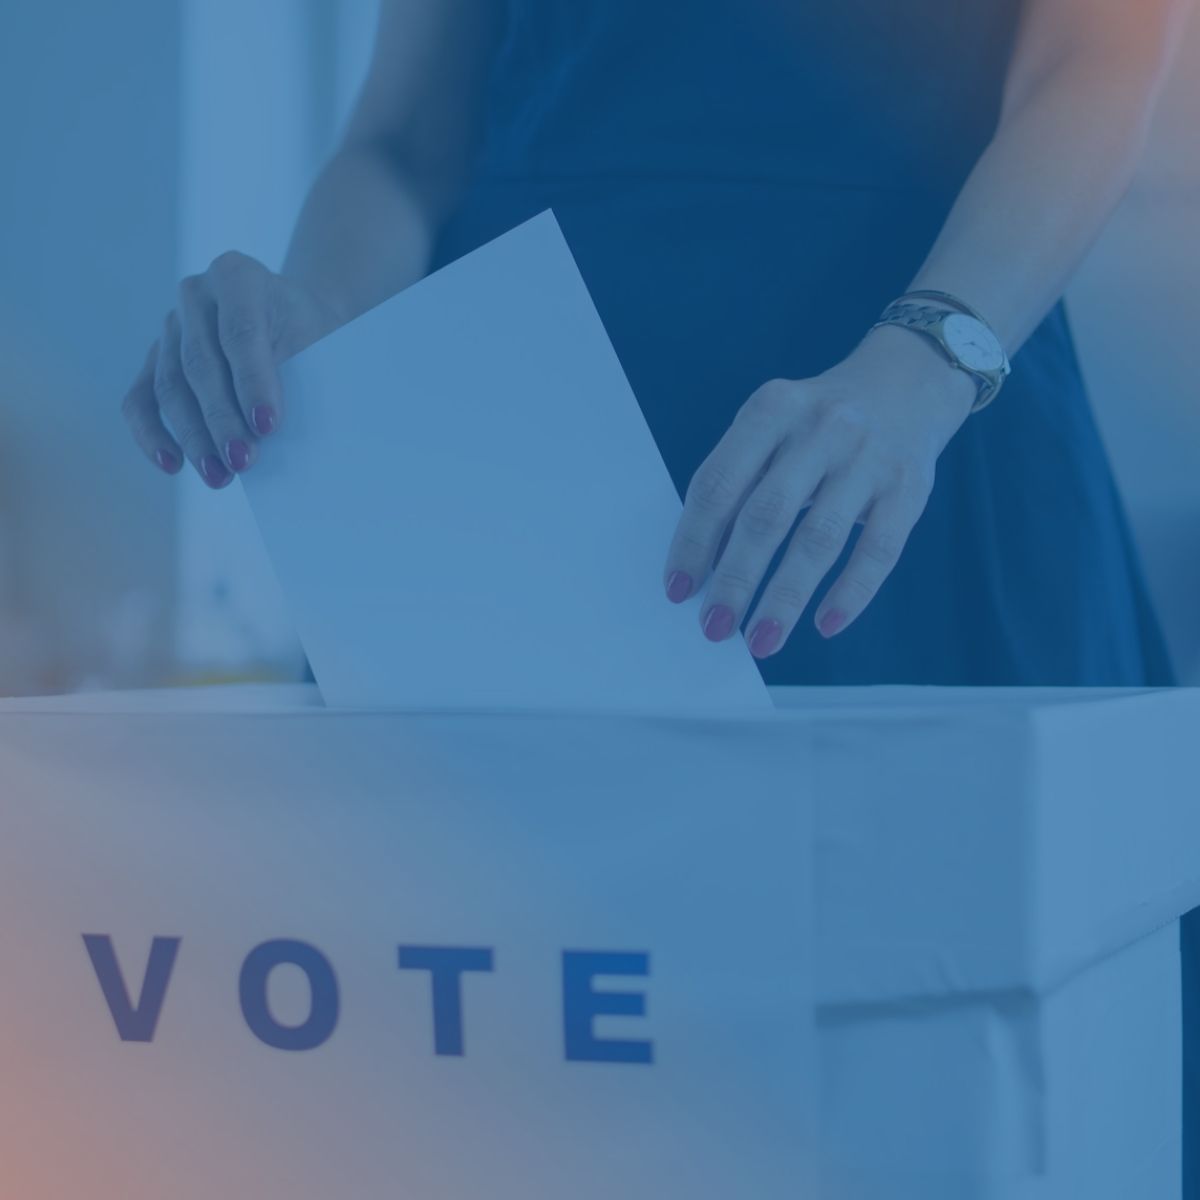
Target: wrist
{"points": [[912, 363]]}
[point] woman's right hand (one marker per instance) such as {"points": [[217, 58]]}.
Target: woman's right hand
{"points": [[209, 389]]}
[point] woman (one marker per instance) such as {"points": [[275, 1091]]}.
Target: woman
{"points": [[748, 186]]}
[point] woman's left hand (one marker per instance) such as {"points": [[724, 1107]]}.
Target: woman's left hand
{"points": [[856, 444]]}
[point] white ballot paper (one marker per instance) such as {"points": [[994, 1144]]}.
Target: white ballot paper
{"points": [[467, 510]]}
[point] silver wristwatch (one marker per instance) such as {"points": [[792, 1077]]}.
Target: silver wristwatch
{"points": [[961, 334]]}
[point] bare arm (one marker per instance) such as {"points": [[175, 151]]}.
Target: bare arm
{"points": [[209, 389], [368, 226], [1079, 95]]}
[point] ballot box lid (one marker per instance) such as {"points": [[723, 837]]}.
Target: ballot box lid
{"points": [[976, 841]]}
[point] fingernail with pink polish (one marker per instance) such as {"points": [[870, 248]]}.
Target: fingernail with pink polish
{"points": [[237, 453], [832, 622], [167, 462], [213, 470], [264, 419], [718, 624], [765, 637], [679, 587]]}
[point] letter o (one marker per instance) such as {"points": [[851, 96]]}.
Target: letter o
{"points": [[322, 1018]]}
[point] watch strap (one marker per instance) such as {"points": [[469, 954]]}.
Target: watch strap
{"points": [[924, 312], [948, 300]]}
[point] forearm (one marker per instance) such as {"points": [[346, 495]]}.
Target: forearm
{"points": [[1062, 156], [364, 233]]}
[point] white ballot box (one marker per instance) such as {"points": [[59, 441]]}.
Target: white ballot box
{"points": [[888, 942], [1000, 875]]}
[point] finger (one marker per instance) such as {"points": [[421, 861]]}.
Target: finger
{"points": [[719, 486], [140, 409], [814, 548], [181, 410], [758, 531], [875, 555], [207, 374], [240, 287], [727, 532]]}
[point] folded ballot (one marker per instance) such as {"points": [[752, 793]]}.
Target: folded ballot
{"points": [[466, 508]]}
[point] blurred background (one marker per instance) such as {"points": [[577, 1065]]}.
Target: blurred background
{"points": [[143, 137]]}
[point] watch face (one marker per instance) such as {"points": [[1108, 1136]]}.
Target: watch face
{"points": [[972, 343]]}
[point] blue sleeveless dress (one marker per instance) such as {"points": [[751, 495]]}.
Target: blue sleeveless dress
{"points": [[745, 185]]}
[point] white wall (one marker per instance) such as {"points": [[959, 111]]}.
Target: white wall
{"points": [[247, 111], [265, 87], [88, 138]]}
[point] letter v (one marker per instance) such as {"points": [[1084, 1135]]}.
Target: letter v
{"points": [[133, 1024]]}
